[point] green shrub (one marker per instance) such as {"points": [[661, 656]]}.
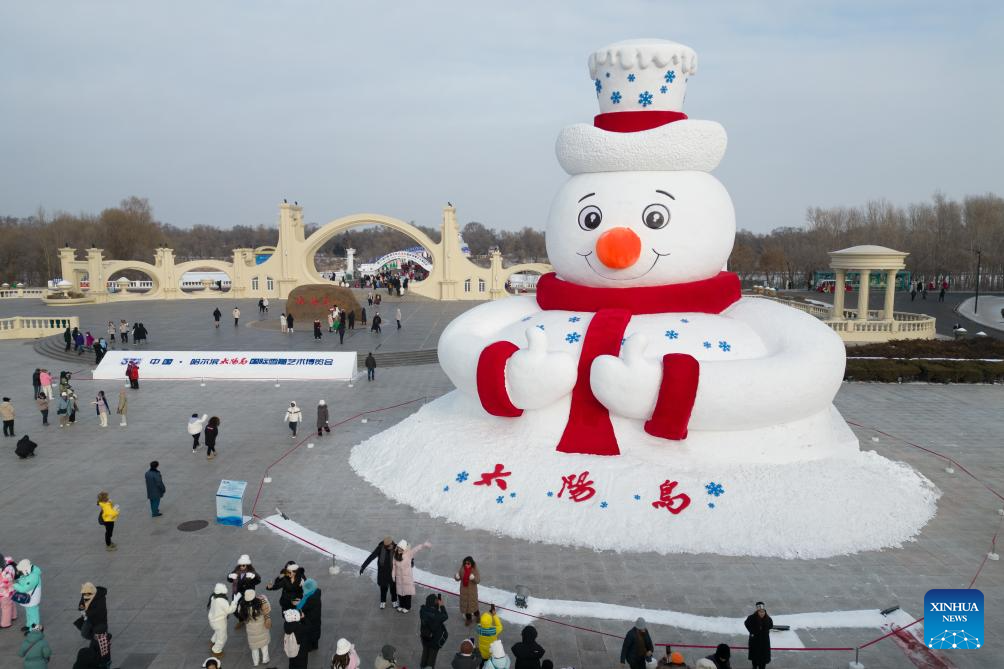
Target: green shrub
{"points": [[981, 347], [930, 371]]}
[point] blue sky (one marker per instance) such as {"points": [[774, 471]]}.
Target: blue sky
{"points": [[216, 111]]}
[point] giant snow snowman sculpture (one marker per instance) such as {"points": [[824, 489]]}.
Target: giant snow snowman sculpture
{"points": [[718, 408]]}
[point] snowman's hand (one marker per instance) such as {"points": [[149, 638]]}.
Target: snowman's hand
{"points": [[627, 385], [536, 377]]}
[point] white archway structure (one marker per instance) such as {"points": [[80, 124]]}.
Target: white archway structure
{"points": [[291, 264]]}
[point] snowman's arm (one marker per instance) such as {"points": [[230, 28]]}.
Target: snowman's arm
{"points": [[464, 339], [798, 377]]}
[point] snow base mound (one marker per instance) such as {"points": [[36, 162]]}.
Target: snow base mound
{"points": [[453, 461]]}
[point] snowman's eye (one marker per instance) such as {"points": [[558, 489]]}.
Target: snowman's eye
{"points": [[590, 217], [655, 216]]}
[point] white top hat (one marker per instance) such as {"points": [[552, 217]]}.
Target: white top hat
{"points": [[641, 86]]}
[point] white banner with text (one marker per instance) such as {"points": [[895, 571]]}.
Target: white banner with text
{"points": [[246, 365]]}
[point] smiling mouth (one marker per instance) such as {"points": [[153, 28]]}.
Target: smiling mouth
{"points": [[585, 256]]}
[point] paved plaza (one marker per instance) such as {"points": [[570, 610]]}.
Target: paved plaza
{"points": [[160, 578]]}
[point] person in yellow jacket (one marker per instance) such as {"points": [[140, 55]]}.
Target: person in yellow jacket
{"points": [[489, 629], [109, 512]]}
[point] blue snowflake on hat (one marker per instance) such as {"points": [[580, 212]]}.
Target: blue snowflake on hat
{"points": [[645, 99]]}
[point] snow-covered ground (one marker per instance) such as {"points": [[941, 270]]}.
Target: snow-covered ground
{"points": [[505, 476], [538, 607]]}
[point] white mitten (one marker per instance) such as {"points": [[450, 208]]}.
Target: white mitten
{"points": [[536, 377], [627, 385]]}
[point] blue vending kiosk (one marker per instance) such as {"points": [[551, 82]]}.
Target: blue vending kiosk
{"points": [[230, 503]]}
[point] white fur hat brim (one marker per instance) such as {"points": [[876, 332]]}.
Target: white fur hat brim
{"points": [[683, 145]]}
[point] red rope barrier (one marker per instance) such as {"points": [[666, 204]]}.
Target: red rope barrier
{"points": [[261, 484], [872, 642], [895, 630]]}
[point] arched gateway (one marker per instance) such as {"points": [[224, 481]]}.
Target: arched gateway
{"points": [[291, 264]]}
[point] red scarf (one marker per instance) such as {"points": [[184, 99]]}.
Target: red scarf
{"points": [[589, 429], [466, 578]]}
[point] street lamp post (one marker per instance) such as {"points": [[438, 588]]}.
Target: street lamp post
{"points": [[976, 303]]}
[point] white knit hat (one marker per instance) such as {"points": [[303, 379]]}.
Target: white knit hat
{"points": [[24, 566], [342, 647], [403, 544], [220, 589], [244, 559], [249, 595], [215, 660]]}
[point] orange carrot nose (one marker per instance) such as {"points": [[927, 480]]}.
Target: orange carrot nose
{"points": [[618, 248]]}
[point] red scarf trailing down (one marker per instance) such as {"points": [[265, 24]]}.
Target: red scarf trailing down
{"points": [[466, 578], [589, 429]]}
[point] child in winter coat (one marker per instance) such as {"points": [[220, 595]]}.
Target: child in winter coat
{"points": [[498, 658], [195, 426], [489, 629], [35, 649], [109, 513], [403, 572], [8, 574], [293, 417], [466, 658], [220, 606]]}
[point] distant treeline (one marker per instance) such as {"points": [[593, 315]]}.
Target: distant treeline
{"points": [[28, 252], [941, 236]]}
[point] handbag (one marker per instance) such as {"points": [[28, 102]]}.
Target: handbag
{"points": [[23, 597]]}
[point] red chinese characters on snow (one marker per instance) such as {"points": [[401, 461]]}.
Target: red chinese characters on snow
{"points": [[667, 500], [497, 476], [579, 488]]}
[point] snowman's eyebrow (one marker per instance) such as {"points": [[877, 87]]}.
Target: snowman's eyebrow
{"points": [[660, 191], [585, 196]]}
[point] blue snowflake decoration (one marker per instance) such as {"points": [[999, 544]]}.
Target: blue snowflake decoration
{"points": [[663, 89], [512, 494], [540, 326], [725, 346], [550, 493], [684, 320], [707, 344], [672, 334], [715, 489], [574, 319], [637, 498], [446, 488], [631, 77], [711, 505], [499, 499], [526, 318], [603, 505], [671, 76], [615, 97], [573, 337], [462, 476], [599, 86], [645, 99]]}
